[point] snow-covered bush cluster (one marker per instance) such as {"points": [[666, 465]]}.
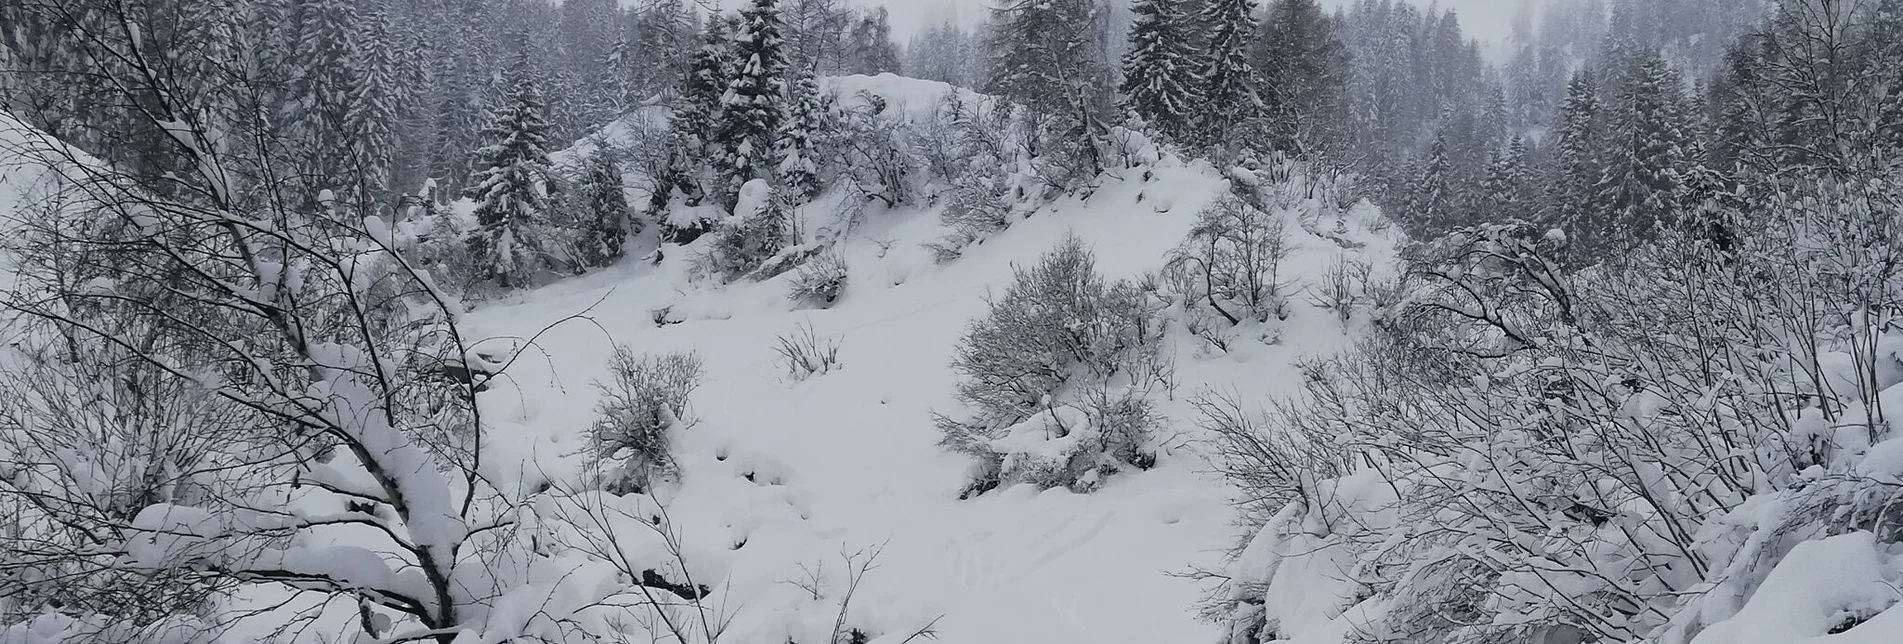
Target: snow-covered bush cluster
{"points": [[1057, 378], [643, 404], [1232, 264], [819, 282], [1521, 453]]}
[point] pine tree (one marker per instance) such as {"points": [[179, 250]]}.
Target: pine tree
{"points": [[869, 49], [606, 224], [513, 187], [1645, 161], [1431, 198], [1576, 151], [754, 103], [1050, 56], [1159, 72], [1229, 97], [1304, 69], [372, 119], [798, 162]]}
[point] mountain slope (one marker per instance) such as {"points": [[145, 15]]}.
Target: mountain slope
{"points": [[847, 460]]}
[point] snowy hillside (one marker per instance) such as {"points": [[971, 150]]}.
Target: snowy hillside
{"points": [[801, 471]]}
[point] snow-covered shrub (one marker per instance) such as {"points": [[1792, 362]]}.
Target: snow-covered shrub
{"points": [[965, 147], [875, 152], [756, 232], [1232, 263], [87, 441], [1612, 455], [1343, 287], [642, 403], [819, 282], [1056, 377], [804, 353]]}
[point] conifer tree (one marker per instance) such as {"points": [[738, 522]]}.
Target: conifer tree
{"points": [[1645, 159], [605, 225], [322, 86], [699, 109], [1050, 56], [1229, 97], [1575, 162], [371, 121], [657, 51], [870, 50], [1159, 72], [798, 162], [1304, 68], [754, 103], [1504, 191], [1431, 198], [513, 186]]}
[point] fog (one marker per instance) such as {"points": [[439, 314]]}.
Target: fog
{"points": [[1484, 19]]}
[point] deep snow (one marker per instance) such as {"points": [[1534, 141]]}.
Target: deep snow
{"points": [[853, 451], [847, 460]]}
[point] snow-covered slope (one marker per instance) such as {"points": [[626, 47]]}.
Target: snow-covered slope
{"points": [[847, 460]]}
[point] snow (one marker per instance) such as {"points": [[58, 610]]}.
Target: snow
{"points": [[1822, 585], [782, 477], [800, 471]]}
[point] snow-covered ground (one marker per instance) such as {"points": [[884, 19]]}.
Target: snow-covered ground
{"points": [[847, 460], [784, 481]]}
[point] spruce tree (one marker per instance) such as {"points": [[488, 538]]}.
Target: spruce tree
{"points": [[1645, 160], [513, 187], [699, 109], [1049, 56], [322, 85], [869, 49], [1504, 192], [754, 103], [1304, 69], [1229, 97], [372, 119], [1575, 162], [605, 225], [1431, 198], [1159, 72], [806, 120]]}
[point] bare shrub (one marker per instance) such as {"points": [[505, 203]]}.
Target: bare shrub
{"points": [[820, 281], [1056, 377], [968, 151], [805, 353], [1343, 287], [642, 402], [1232, 262], [878, 159]]}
